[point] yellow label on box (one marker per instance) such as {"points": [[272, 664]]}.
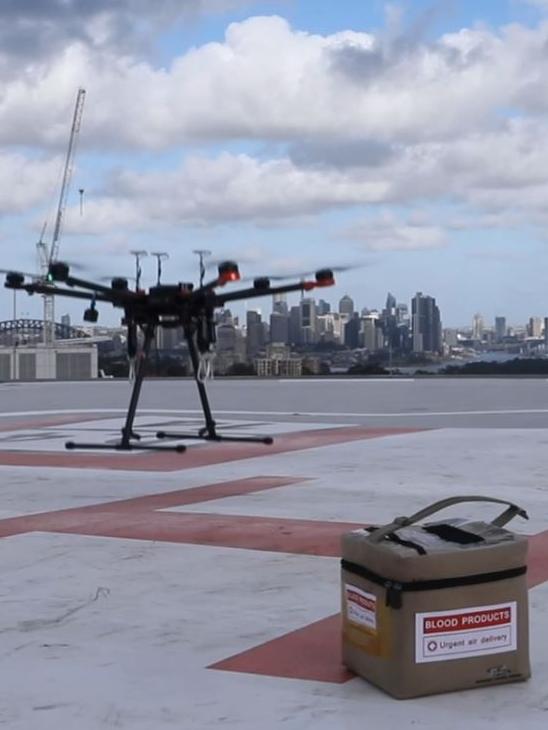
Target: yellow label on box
{"points": [[365, 621]]}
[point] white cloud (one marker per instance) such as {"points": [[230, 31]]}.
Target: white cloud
{"points": [[361, 120], [266, 80], [228, 188], [389, 233], [25, 183]]}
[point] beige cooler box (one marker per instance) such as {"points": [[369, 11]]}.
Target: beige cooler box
{"points": [[437, 607]]}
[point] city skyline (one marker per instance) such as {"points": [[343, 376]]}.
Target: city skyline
{"points": [[406, 139]]}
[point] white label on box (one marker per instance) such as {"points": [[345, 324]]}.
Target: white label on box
{"points": [[465, 632], [361, 607]]}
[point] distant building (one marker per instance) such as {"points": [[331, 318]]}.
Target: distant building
{"points": [[323, 308], [331, 327], [65, 320], [352, 332], [308, 325], [254, 333], [372, 336], [500, 328], [426, 324], [346, 305], [279, 304], [451, 337], [534, 328], [477, 327], [279, 327], [295, 325]]}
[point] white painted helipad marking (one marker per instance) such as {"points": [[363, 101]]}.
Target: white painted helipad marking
{"points": [[319, 414]]}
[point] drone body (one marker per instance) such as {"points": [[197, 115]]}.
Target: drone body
{"points": [[163, 305]]}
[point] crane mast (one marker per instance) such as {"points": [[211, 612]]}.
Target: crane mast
{"points": [[49, 256]]}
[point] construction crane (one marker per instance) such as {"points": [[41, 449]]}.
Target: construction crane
{"points": [[48, 254]]}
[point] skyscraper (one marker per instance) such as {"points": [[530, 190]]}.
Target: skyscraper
{"points": [[309, 333], [500, 328], [279, 328], [346, 305], [426, 324], [254, 333], [477, 327], [352, 331]]}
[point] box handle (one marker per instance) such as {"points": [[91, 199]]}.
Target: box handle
{"points": [[512, 510]]}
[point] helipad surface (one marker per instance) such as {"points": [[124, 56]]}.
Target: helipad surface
{"points": [[202, 590]]}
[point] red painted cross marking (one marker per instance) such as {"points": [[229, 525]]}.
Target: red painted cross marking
{"points": [[198, 455], [312, 652]]}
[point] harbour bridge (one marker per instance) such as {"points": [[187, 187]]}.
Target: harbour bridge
{"points": [[28, 331]]}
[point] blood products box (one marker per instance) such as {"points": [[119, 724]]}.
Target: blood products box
{"points": [[436, 607]]}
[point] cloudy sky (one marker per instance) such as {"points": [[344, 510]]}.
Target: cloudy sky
{"points": [[410, 138]]}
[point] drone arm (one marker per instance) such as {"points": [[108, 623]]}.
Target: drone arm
{"points": [[92, 286], [252, 292], [38, 288]]}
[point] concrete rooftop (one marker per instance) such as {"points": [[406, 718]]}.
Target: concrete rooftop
{"points": [[201, 590]]}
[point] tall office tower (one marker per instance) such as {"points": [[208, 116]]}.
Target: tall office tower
{"points": [[534, 329], [352, 332], [295, 325], [254, 333], [323, 308], [371, 333], [65, 320], [477, 327], [279, 303], [346, 305], [426, 324], [500, 328], [308, 326], [279, 328], [389, 323]]}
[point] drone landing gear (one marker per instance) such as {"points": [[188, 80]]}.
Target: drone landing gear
{"points": [[129, 436], [204, 435], [209, 431]]}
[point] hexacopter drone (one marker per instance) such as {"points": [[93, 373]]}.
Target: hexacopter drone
{"points": [[163, 305]]}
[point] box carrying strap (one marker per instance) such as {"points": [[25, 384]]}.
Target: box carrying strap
{"points": [[512, 510]]}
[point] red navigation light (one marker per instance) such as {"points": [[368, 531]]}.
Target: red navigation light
{"points": [[228, 271]]}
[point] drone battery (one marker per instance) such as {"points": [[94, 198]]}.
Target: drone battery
{"points": [[437, 607]]}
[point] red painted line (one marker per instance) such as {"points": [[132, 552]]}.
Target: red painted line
{"points": [[196, 456], [124, 510], [313, 652], [279, 535], [537, 560], [205, 493]]}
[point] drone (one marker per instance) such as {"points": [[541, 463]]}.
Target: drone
{"points": [[164, 305]]}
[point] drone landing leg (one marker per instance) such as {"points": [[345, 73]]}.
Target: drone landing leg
{"points": [[209, 431], [125, 444]]}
